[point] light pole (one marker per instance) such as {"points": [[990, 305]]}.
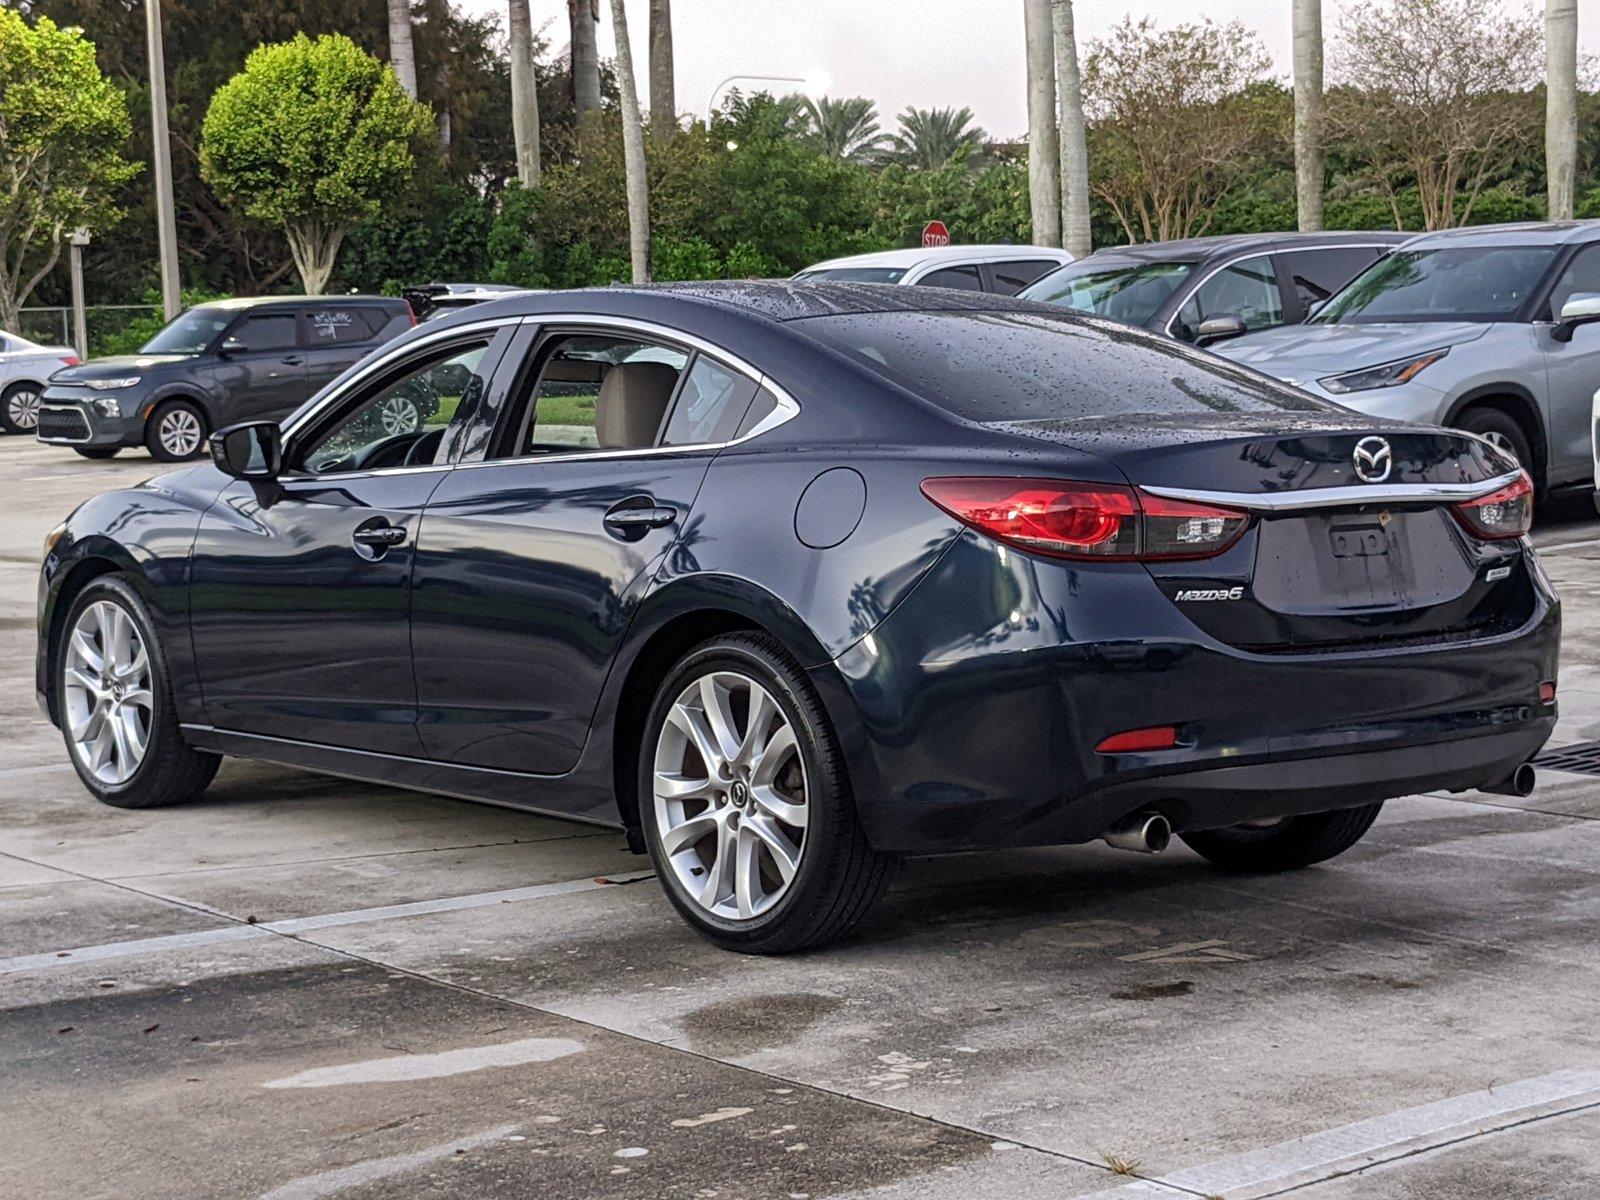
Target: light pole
{"points": [[161, 139], [804, 81], [80, 320]]}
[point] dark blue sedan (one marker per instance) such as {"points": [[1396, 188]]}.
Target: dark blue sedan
{"points": [[791, 580]]}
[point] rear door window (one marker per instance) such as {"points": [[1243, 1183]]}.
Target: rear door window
{"points": [[595, 392], [1318, 274], [1011, 277], [965, 278], [1247, 289], [341, 324]]}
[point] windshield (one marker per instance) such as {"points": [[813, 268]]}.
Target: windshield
{"points": [[1480, 283], [1020, 366], [854, 275], [191, 333], [1123, 289]]}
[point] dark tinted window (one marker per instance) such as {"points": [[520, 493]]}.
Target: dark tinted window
{"points": [[1469, 283], [335, 324], [1011, 277], [1580, 278], [762, 407], [965, 278], [1318, 274], [1022, 367], [270, 331], [1111, 286], [710, 405]]}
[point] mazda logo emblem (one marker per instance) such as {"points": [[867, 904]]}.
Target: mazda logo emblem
{"points": [[1373, 459]]}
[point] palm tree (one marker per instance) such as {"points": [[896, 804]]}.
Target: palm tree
{"points": [[1561, 105], [1310, 159], [585, 56], [1044, 148], [632, 149], [524, 94], [843, 129], [931, 137], [1075, 232], [663, 92], [402, 54]]}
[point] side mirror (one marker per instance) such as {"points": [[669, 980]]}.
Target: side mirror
{"points": [[230, 346], [250, 450], [1217, 329], [1583, 308]]}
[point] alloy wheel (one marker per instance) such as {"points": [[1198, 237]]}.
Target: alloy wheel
{"points": [[106, 684], [1500, 442], [399, 415], [22, 407], [179, 433], [730, 796]]}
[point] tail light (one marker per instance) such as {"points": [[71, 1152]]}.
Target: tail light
{"points": [[70, 360], [412, 313], [1155, 737], [1086, 520], [1507, 513]]}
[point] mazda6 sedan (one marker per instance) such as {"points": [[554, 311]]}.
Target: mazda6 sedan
{"points": [[791, 580]]}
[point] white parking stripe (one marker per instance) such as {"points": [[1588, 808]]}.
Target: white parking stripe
{"points": [[298, 925], [48, 768], [328, 1183], [1366, 1143]]}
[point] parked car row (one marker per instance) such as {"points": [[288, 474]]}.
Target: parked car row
{"points": [[24, 368]]}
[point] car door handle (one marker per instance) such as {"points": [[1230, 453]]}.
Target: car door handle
{"points": [[379, 537], [637, 514]]}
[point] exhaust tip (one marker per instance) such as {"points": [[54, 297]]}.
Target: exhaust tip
{"points": [[1142, 833], [1519, 783]]}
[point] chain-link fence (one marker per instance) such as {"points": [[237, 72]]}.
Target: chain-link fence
{"points": [[113, 328]]}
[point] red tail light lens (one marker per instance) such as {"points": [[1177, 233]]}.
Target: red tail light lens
{"points": [[1507, 513], [71, 360], [1086, 520], [1156, 737]]}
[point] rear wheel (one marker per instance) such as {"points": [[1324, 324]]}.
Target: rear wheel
{"points": [[746, 806], [176, 431], [1502, 431], [115, 704], [1286, 844], [19, 408]]}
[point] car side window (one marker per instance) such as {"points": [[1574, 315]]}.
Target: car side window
{"points": [[1011, 277], [596, 392], [269, 331], [965, 278], [710, 405], [401, 422], [339, 324], [1248, 290], [1318, 274], [1580, 277]]}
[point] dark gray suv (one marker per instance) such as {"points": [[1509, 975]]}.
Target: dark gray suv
{"points": [[215, 364]]}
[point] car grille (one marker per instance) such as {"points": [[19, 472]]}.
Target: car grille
{"points": [[62, 425]]}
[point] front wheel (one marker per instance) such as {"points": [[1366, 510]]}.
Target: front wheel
{"points": [[175, 432], [19, 408], [1500, 431], [746, 806], [1286, 844], [115, 704]]}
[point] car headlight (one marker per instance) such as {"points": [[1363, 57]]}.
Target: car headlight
{"points": [[1388, 375], [111, 385]]}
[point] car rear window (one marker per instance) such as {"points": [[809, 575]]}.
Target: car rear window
{"points": [[337, 324], [1017, 366]]}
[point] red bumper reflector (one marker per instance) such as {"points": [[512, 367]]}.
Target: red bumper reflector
{"points": [[1547, 692], [1157, 737]]}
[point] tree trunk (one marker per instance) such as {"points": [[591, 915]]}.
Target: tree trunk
{"points": [[632, 149], [1310, 159], [1075, 235], [663, 89], [315, 247], [1561, 105], [402, 55], [1044, 146], [585, 55], [524, 94]]}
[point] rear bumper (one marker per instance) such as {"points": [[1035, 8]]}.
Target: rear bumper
{"points": [[970, 717]]}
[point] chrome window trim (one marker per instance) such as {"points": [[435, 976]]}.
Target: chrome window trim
{"points": [[787, 407], [1246, 257], [1341, 497]]}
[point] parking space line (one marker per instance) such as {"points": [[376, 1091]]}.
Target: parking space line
{"points": [[294, 926], [1373, 1141], [47, 768], [328, 1183]]}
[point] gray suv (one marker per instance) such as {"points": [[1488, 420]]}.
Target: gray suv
{"points": [[215, 364], [1494, 330]]}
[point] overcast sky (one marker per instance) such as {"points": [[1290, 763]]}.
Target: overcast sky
{"points": [[927, 53]]}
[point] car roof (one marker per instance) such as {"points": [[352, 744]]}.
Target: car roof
{"points": [[1201, 249], [1521, 233], [241, 302], [915, 256]]}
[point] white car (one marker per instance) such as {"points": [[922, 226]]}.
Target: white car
{"points": [[24, 367], [1003, 270]]}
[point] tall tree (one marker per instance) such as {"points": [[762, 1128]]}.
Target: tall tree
{"points": [[62, 128], [402, 55], [1310, 156], [844, 129], [585, 56], [1044, 147], [931, 137], [1561, 105], [524, 93], [663, 89], [632, 149], [1075, 234]]}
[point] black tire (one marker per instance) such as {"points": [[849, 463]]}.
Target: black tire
{"points": [[1501, 429], [171, 772], [14, 422], [173, 410], [1290, 844], [97, 452], [840, 876]]}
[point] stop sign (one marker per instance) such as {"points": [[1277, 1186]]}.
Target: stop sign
{"points": [[934, 233]]}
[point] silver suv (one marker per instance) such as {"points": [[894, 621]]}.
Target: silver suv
{"points": [[1494, 330]]}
